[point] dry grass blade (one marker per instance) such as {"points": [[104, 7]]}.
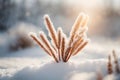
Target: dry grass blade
{"points": [[81, 32], [85, 21], [59, 42], [67, 53], [80, 47], [51, 30], [77, 23], [110, 70], [46, 42], [63, 48], [59, 37], [117, 69], [75, 27], [75, 45], [40, 44]]}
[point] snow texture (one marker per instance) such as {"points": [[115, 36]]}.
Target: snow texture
{"points": [[34, 64]]}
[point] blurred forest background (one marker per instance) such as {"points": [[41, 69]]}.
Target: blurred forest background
{"points": [[19, 17]]}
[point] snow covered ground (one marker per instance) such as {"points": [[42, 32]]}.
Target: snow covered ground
{"points": [[35, 64]]}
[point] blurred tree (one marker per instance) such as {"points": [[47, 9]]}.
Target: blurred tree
{"points": [[6, 6], [22, 10], [30, 11]]}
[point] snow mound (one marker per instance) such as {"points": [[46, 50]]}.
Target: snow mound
{"points": [[58, 71]]}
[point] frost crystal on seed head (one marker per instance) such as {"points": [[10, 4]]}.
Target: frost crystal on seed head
{"points": [[62, 48]]}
